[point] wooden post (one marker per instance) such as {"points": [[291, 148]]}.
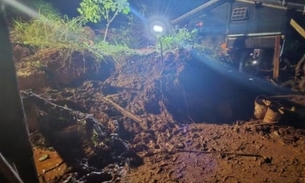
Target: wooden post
{"points": [[297, 27], [228, 21], [276, 58]]}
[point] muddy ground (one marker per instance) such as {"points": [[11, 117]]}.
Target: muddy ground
{"points": [[183, 119]]}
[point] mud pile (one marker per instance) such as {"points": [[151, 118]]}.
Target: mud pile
{"points": [[183, 86], [56, 68], [140, 108]]}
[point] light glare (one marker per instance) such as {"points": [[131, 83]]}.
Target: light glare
{"points": [[158, 28], [22, 8]]}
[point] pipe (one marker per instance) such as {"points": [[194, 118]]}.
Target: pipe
{"points": [[256, 34], [287, 4], [196, 10], [228, 21], [264, 4], [8, 172], [298, 7]]}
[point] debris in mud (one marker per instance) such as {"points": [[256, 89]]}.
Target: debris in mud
{"points": [[51, 167], [83, 137], [44, 157], [144, 114], [185, 89]]}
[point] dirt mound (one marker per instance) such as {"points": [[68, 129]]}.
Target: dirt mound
{"points": [[57, 68], [182, 85], [137, 107]]}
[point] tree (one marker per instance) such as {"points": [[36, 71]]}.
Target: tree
{"points": [[96, 10]]}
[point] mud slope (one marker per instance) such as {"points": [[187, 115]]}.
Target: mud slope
{"points": [[189, 88], [152, 110]]}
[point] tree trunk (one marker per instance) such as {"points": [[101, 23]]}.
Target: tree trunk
{"points": [[106, 32]]}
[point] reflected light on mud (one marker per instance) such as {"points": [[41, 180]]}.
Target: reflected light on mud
{"points": [[21, 7]]}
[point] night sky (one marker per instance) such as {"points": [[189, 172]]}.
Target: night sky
{"points": [[169, 8]]}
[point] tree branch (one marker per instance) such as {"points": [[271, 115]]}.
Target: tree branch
{"points": [[115, 14]]}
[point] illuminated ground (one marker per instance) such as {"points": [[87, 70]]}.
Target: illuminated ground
{"points": [[186, 123]]}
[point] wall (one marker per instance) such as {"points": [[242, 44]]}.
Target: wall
{"points": [[262, 19]]}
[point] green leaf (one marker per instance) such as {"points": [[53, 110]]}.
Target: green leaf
{"points": [[96, 10]]}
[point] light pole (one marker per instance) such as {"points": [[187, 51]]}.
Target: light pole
{"points": [[156, 27], [158, 30]]}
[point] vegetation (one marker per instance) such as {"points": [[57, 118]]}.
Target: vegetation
{"points": [[50, 30], [130, 34], [178, 38], [95, 10]]}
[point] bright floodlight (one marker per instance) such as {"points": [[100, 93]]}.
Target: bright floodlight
{"points": [[158, 28]]}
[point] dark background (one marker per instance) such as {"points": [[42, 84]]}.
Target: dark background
{"points": [[169, 8]]}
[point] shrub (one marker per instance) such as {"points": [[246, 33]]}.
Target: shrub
{"points": [[95, 10], [130, 34], [50, 30], [178, 38]]}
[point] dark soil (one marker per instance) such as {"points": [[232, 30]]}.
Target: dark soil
{"points": [[195, 125]]}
